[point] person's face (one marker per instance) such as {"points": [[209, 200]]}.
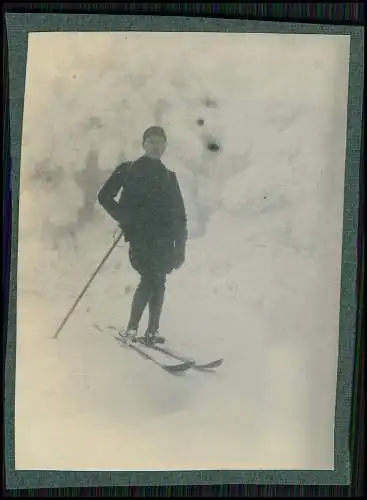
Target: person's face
{"points": [[154, 146]]}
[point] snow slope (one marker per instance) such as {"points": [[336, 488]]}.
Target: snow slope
{"points": [[261, 283]]}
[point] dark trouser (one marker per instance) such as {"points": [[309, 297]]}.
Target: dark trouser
{"points": [[150, 291], [152, 259]]}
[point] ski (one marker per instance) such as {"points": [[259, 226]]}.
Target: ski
{"points": [[185, 362], [181, 367], [211, 365]]}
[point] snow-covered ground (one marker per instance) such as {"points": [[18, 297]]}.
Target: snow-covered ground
{"points": [[261, 283]]}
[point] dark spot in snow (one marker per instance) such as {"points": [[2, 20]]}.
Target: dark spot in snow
{"points": [[213, 147], [210, 103], [200, 122], [265, 197], [94, 122], [128, 289], [47, 174], [73, 76]]}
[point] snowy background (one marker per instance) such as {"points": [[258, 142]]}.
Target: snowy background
{"points": [[256, 127]]}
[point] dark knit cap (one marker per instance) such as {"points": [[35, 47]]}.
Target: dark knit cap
{"points": [[155, 130]]}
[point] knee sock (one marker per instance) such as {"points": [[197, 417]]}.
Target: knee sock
{"points": [[140, 301], [156, 300]]}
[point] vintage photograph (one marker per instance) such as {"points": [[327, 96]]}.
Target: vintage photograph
{"points": [[179, 256]]}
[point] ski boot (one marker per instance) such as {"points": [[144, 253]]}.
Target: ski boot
{"points": [[128, 336], [151, 338]]}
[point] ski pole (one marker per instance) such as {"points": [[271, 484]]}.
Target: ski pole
{"points": [[80, 296]]}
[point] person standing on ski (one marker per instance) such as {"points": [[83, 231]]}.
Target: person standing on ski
{"points": [[151, 214]]}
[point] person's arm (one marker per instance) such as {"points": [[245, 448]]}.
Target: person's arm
{"points": [[179, 215], [111, 188]]}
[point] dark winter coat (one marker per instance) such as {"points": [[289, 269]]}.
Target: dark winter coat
{"points": [[150, 211]]}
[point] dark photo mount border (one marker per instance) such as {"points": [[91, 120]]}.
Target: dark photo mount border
{"points": [[213, 18]]}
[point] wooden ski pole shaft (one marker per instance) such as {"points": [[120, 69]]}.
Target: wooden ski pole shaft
{"points": [[80, 296]]}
